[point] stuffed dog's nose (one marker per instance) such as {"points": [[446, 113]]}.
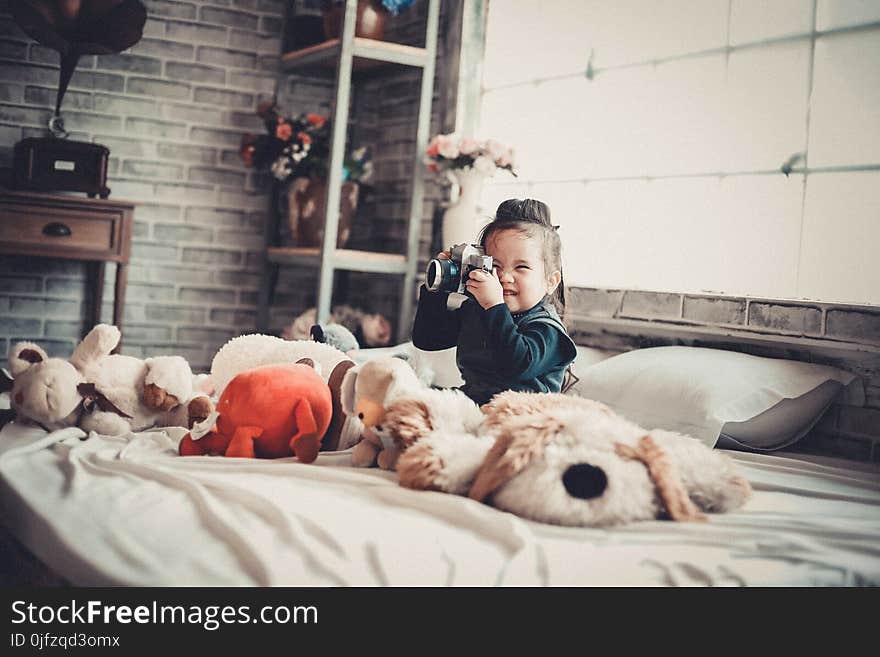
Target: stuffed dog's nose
{"points": [[584, 481]]}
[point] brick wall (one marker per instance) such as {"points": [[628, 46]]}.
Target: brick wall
{"points": [[172, 110], [843, 336]]}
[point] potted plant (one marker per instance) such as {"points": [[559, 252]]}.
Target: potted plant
{"points": [[297, 151], [466, 161], [371, 17]]}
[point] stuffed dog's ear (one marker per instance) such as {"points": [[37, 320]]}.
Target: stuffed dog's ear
{"points": [[665, 476], [408, 420], [521, 440], [23, 355], [347, 390], [337, 420]]}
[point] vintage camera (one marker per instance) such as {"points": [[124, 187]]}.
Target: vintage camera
{"points": [[451, 275]]}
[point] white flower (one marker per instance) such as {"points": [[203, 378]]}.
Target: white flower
{"points": [[496, 149], [468, 145], [281, 168], [485, 165]]}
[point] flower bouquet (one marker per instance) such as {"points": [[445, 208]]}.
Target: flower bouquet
{"points": [[297, 151], [467, 162], [299, 147], [447, 154]]}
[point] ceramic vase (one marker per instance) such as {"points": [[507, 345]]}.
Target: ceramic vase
{"points": [[304, 204], [370, 22], [461, 219]]}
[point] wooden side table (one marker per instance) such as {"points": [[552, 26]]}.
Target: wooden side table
{"points": [[97, 231]]}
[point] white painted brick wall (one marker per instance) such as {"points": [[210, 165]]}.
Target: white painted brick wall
{"points": [[172, 110]]}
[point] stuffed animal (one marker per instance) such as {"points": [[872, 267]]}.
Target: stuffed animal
{"points": [[271, 411], [336, 335], [388, 387], [369, 330], [571, 461], [43, 390], [110, 394], [254, 350]]}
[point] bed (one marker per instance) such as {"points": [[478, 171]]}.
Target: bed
{"points": [[128, 511]]}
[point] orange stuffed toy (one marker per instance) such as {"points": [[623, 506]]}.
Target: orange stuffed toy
{"points": [[268, 412]]}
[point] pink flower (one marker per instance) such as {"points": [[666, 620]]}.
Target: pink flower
{"points": [[468, 145], [434, 147], [447, 146], [496, 149], [505, 159], [283, 131]]}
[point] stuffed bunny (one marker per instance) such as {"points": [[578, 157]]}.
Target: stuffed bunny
{"points": [[44, 390], [571, 461]]}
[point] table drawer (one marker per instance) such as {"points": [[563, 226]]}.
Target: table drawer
{"points": [[60, 231]]}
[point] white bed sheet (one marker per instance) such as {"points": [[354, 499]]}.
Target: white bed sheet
{"points": [[129, 511]]}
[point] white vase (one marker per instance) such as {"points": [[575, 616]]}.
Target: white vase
{"points": [[461, 219]]}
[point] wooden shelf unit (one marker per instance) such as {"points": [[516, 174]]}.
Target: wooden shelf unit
{"points": [[343, 58], [369, 55]]}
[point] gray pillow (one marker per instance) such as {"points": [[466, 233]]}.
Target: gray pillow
{"points": [[783, 424]]}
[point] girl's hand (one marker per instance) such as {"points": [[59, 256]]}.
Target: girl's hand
{"points": [[486, 288]]}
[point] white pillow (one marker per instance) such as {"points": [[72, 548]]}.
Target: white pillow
{"points": [[698, 391], [446, 373]]}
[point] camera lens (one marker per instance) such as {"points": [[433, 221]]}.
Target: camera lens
{"points": [[432, 276], [439, 275]]}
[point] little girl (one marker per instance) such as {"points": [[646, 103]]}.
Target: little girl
{"points": [[510, 335]]}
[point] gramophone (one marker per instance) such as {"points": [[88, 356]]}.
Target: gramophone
{"points": [[73, 28]]}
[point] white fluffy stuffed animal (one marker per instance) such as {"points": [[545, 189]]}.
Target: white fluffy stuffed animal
{"points": [[571, 461], [100, 391]]}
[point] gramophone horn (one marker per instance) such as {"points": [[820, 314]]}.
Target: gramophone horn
{"points": [[79, 27]]}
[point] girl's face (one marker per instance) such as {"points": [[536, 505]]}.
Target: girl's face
{"points": [[519, 262]]}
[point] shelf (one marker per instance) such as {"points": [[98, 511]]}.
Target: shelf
{"points": [[347, 259], [346, 62], [369, 54]]}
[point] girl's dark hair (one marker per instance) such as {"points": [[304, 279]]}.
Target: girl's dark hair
{"points": [[531, 217]]}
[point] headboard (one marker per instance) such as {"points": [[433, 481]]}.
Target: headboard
{"points": [[844, 336]]}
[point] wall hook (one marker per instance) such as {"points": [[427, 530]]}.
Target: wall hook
{"points": [[788, 165]]}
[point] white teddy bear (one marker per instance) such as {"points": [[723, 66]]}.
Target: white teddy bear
{"points": [[99, 391]]}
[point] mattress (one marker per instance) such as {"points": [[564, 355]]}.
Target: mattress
{"points": [[128, 511]]}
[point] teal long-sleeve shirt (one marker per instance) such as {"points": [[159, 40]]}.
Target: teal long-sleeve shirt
{"points": [[496, 350]]}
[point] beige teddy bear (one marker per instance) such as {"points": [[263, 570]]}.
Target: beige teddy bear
{"points": [[396, 409]]}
